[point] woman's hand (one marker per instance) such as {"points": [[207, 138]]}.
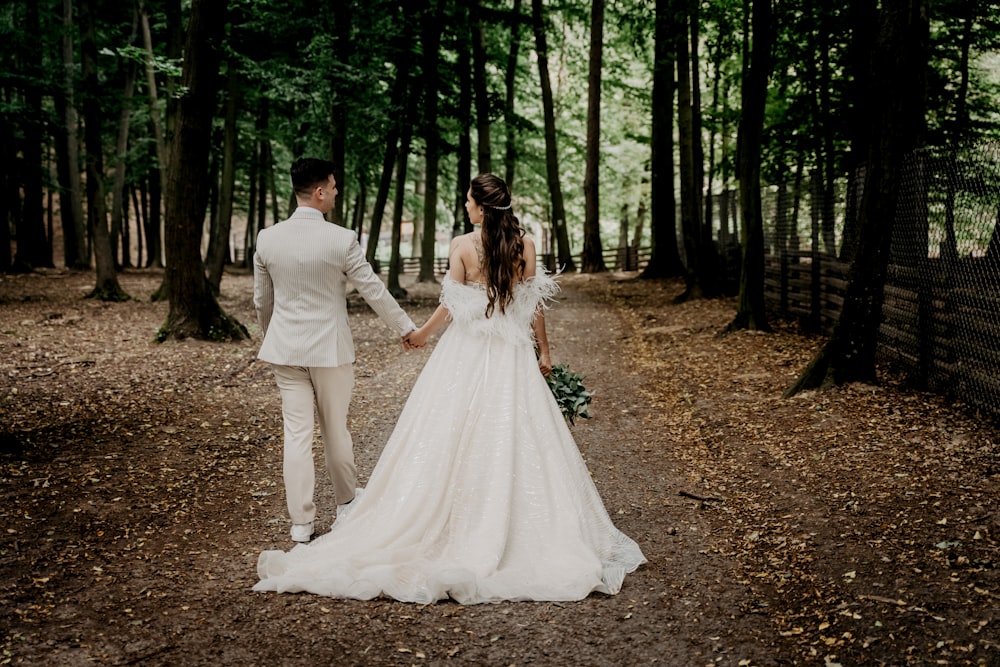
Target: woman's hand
{"points": [[418, 337], [545, 364]]}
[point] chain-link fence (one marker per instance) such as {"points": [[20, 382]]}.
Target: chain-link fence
{"points": [[941, 317]]}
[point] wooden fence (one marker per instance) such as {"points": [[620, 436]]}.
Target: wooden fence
{"points": [[629, 258], [940, 320]]}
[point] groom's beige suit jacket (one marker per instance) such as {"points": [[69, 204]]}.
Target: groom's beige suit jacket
{"points": [[302, 267]]}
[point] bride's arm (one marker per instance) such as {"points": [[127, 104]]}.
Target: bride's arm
{"points": [[538, 323], [456, 272]]}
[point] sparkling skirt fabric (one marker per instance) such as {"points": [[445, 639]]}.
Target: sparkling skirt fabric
{"points": [[480, 494]]}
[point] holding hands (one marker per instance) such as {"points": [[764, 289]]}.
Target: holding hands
{"points": [[417, 338]]}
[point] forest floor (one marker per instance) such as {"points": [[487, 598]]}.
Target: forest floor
{"points": [[140, 481]]}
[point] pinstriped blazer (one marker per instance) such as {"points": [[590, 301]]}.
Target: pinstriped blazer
{"points": [[301, 270]]}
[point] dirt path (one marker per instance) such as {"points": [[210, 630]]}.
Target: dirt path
{"points": [[140, 481]]}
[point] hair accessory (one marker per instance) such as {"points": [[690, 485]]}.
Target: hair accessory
{"points": [[498, 208]]}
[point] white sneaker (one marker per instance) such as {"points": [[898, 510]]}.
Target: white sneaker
{"points": [[343, 510], [302, 532]]}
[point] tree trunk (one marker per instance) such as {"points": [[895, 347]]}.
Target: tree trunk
{"points": [[155, 115], [432, 40], [194, 311], [8, 193], [230, 141], [33, 248], [479, 84], [395, 259], [690, 226], [704, 268], [154, 222], [463, 171], [397, 105], [107, 287], [751, 313], [250, 234], [74, 224], [863, 17], [665, 259], [899, 65], [508, 109], [338, 108], [140, 222], [565, 258], [593, 255], [118, 203]]}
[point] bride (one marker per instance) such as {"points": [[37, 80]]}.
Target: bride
{"points": [[480, 494]]}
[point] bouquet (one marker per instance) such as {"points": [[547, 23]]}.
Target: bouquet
{"points": [[570, 394]]}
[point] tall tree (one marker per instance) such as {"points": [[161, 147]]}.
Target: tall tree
{"points": [[510, 79], [74, 224], [338, 109], [665, 259], [701, 276], [33, 248], [218, 249], [431, 41], [159, 140], [194, 312], [118, 201], [563, 254], [751, 313], [107, 287], [396, 119], [593, 256], [897, 125], [463, 176], [481, 86]]}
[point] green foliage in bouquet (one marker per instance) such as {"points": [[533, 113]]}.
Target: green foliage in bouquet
{"points": [[570, 394]]}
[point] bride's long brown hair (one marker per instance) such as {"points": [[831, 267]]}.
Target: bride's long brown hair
{"points": [[503, 245]]}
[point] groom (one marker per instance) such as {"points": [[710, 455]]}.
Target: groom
{"points": [[301, 270]]}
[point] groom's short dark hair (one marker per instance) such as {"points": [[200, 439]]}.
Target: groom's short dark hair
{"points": [[308, 173]]}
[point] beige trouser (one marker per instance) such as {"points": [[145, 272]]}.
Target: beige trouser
{"points": [[330, 390]]}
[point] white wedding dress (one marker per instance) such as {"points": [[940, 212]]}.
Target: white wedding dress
{"points": [[480, 494]]}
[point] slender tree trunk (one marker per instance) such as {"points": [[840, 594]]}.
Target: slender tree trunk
{"points": [[160, 143], [708, 277], [565, 257], [155, 115], [431, 38], [194, 312], [74, 224], [897, 126], [828, 153], [107, 287], [126, 234], [154, 221], [481, 88], [397, 103], [395, 258], [863, 16], [33, 249], [250, 235], [140, 223], [593, 256], [338, 110], [402, 161], [511, 79], [690, 224], [227, 190], [463, 174], [118, 203], [8, 194], [665, 259], [751, 313]]}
